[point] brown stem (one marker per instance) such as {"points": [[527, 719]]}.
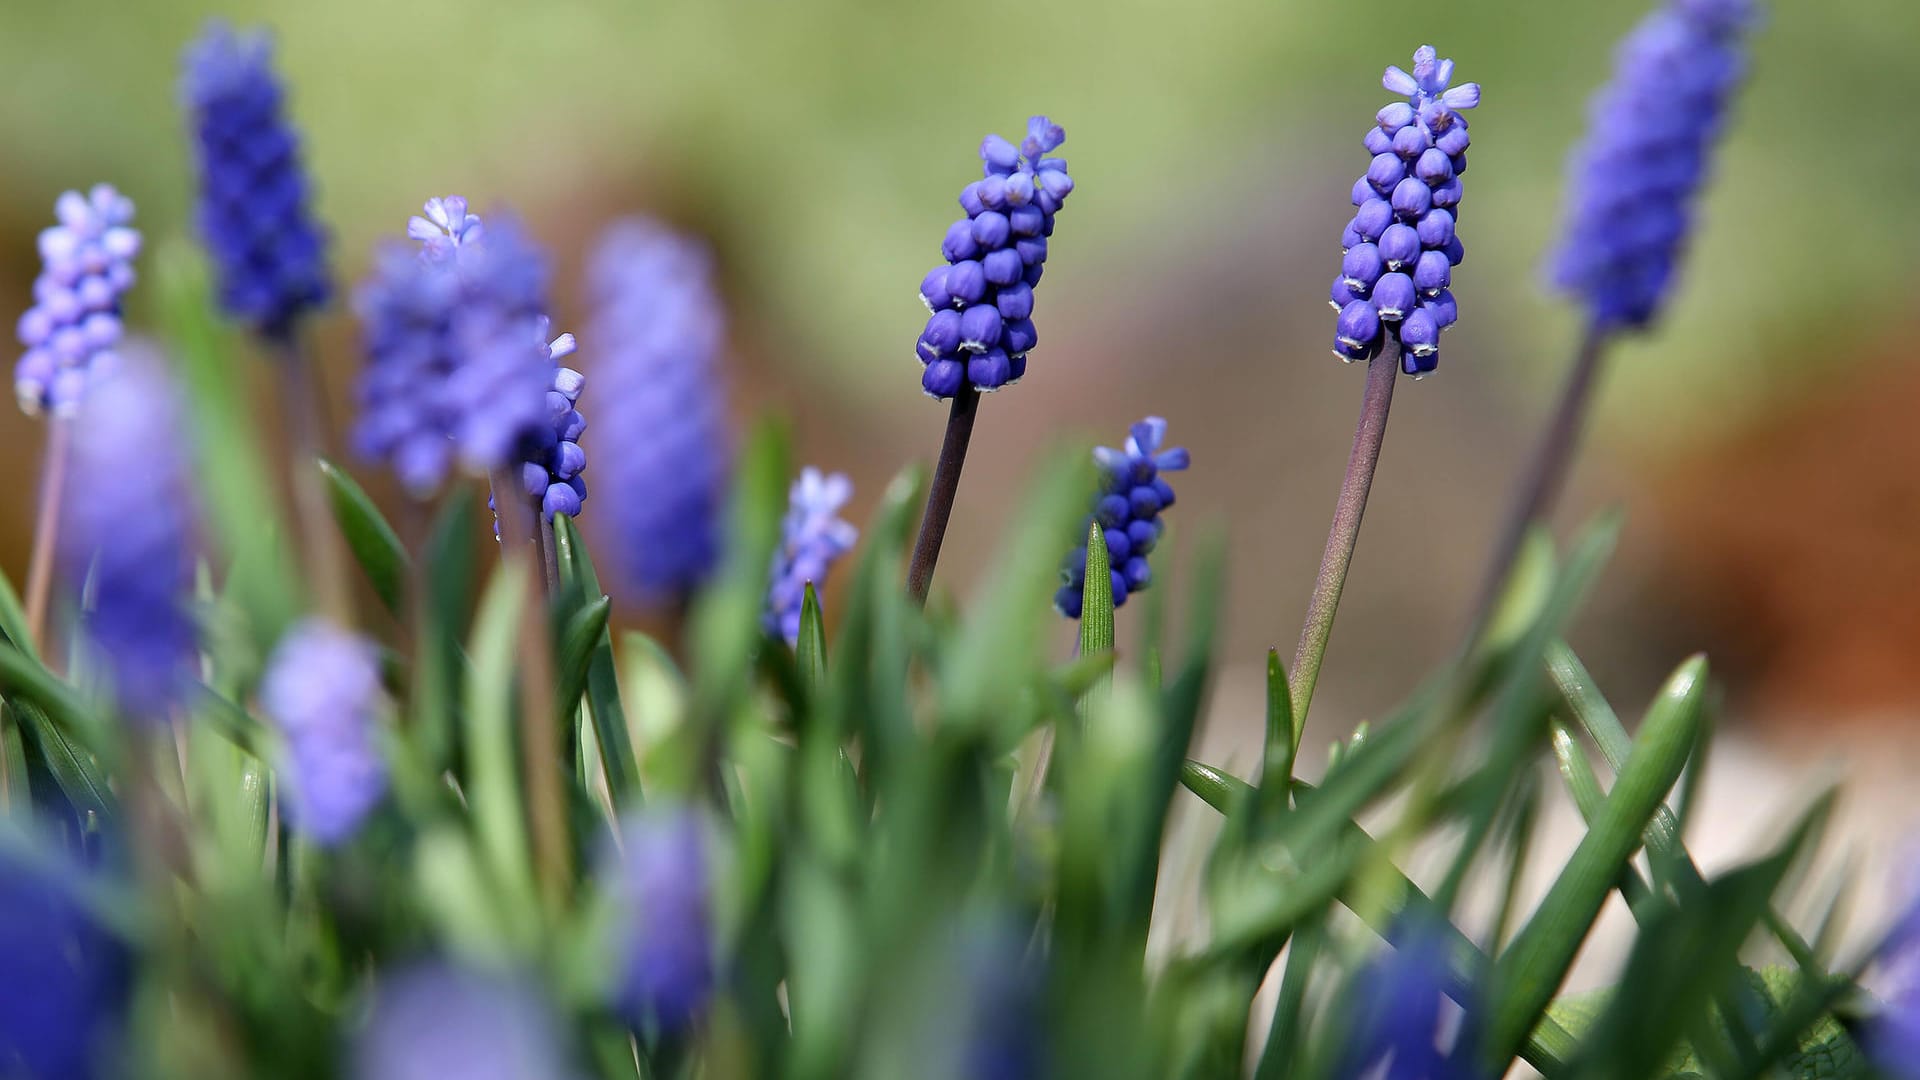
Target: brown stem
{"points": [[946, 483], [323, 550], [46, 529]]}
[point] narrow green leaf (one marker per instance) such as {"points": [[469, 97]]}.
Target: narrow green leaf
{"points": [[493, 783], [1590, 800], [604, 707], [13, 619], [1532, 968], [375, 546], [79, 777], [1217, 788], [1096, 604], [811, 650], [15, 793], [725, 632], [1282, 744], [573, 657]]}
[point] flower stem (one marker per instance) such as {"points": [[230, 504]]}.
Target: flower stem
{"points": [[46, 529], [322, 548], [946, 482], [1546, 472], [1382, 370], [539, 726]]}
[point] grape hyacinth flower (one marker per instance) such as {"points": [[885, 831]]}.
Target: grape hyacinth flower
{"points": [[252, 208], [981, 302], [1132, 496], [458, 363], [1397, 1025], [436, 1020], [322, 690], [660, 884], [127, 536], [551, 459], [657, 327], [1633, 183], [812, 538], [72, 329], [66, 976], [1400, 248]]}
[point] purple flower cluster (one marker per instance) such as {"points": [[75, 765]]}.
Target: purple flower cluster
{"points": [[435, 1020], [322, 689], [127, 536], [458, 362], [661, 885], [1634, 181], [812, 538], [1400, 248], [982, 300], [657, 330], [1395, 1014], [74, 324], [1132, 495], [66, 977], [253, 209]]}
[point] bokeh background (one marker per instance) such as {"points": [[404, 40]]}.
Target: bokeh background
{"points": [[1762, 442]]}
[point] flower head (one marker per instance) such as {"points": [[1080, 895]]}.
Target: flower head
{"points": [[1132, 495], [664, 452], [252, 207], [436, 1020], [458, 361], [1635, 180], [661, 884], [1399, 250], [73, 327], [812, 538], [128, 535], [66, 976], [982, 300], [322, 689], [1395, 1012]]}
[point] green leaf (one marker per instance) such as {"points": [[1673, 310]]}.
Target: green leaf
{"points": [[1217, 788], [1591, 800], [375, 546], [725, 632], [810, 652], [604, 706], [79, 777], [493, 783], [580, 636], [1281, 746], [1096, 605], [1532, 968], [13, 620]]}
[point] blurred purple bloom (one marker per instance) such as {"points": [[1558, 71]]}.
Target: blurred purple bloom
{"points": [[253, 201], [1400, 249], [322, 689], [436, 1020], [982, 301], [1395, 1014], [128, 536], [1132, 495], [812, 538], [1892, 1038], [458, 362], [72, 328], [66, 977], [664, 453], [660, 885], [1004, 993], [1635, 180]]}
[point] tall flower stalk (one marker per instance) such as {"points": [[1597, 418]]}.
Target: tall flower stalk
{"points": [[980, 326], [1633, 188], [1393, 298]]}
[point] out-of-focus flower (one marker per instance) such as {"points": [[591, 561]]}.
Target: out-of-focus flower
{"points": [[812, 538], [1003, 994], [458, 362], [1399, 250], [127, 536], [1396, 1027], [1132, 496], [65, 979], [982, 301], [322, 689], [663, 457], [72, 328], [660, 884], [252, 207], [436, 1020], [1635, 180]]}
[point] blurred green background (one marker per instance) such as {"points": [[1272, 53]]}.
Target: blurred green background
{"points": [[819, 148]]}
